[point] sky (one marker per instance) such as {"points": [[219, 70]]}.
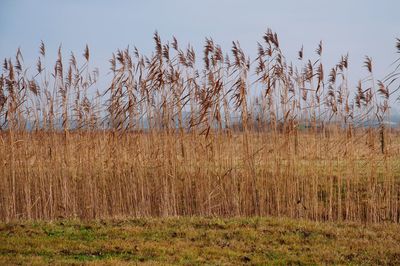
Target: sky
{"points": [[357, 27]]}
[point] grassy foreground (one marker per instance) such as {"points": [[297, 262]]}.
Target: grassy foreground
{"points": [[193, 241]]}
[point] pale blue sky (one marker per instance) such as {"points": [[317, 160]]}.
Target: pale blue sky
{"points": [[360, 27]]}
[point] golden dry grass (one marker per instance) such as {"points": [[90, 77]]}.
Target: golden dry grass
{"points": [[166, 137], [103, 175]]}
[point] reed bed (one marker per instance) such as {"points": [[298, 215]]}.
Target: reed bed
{"points": [[172, 136]]}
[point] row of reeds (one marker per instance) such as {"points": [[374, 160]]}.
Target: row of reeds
{"points": [[228, 136]]}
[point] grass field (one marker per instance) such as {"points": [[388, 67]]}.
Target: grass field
{"points": [[193, 241]]}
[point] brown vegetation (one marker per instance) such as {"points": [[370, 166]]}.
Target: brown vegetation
{"points": [[162, 139]]}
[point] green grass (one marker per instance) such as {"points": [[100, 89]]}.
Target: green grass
{"points": [[195, 241]]}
